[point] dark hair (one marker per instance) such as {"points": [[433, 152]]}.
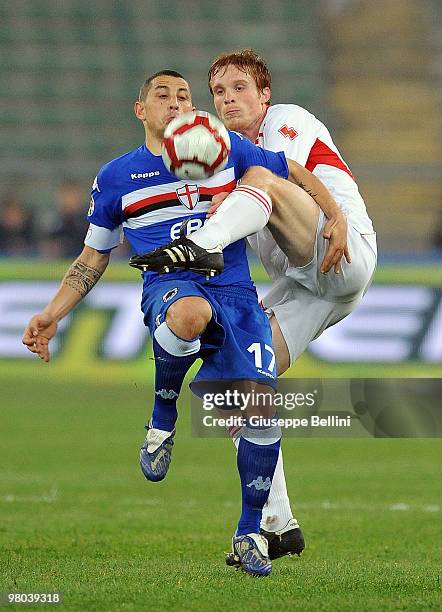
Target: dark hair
{"points": [[145, 87], [248, 62]]}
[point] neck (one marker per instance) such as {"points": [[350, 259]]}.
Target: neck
{"points": [[154, 146], [252, 131], [153, 142]]}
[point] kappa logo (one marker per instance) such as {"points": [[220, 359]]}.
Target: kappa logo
{"points": [[288, 132], [189, 196], [141, 175], [260, 484], [170, 294], [167, 395]]}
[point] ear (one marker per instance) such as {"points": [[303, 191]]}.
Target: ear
{"points": [[139, 110], [266, 94]]}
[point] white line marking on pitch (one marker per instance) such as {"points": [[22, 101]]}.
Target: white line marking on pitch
{"points": [[396, 507], [47, 499], [399, 506], [431, 508]]}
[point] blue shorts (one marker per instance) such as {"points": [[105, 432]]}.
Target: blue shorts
{"points": [[237, 344]]}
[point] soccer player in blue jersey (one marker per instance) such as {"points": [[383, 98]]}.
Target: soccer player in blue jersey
{"points": [[188, 316]]}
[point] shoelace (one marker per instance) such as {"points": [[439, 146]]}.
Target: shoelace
{"points": [[186, 249]]}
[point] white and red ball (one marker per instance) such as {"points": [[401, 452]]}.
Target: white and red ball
{"points": [[195, 146]]}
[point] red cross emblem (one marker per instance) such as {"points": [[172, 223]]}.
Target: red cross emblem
{"points": [[288, 132], [188, 195]]}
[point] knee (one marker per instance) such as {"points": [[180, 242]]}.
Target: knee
{"points": [[188, 317], [257, 176]]}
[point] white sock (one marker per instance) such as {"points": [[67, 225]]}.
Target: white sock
{"points": [[277, 511], [245, 211]]}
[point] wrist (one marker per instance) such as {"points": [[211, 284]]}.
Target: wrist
{"points": [[338, 216], [331, 209], [51, 314]]}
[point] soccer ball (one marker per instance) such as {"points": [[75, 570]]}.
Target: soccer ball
{"points": [[195, 146]]}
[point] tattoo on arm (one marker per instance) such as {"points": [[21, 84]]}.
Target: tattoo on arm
{"points": [[309, 191], [81, 277]]}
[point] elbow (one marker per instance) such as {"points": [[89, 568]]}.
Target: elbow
{"points": [[94, 259]]}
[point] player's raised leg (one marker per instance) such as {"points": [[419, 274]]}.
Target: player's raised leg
{"points": [[245, 211], [176, 343], [294, 218]]}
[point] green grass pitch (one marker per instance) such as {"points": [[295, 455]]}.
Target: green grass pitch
{"points": [[77, 516]]}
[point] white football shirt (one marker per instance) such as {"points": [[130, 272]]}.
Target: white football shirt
{"points": [[303, 138]]}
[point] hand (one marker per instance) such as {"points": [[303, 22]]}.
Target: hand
{"points": [[41, 328], [217, 200], [335, 231]]}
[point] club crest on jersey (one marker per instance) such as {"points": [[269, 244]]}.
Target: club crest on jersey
{"points": [[288, 132], [188, 195]]}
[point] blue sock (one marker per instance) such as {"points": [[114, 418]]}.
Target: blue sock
{"points": [[256, 466], [173, 359]]}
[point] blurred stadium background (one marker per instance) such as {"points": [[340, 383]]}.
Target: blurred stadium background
{"points": [[371, 71], [69, 73]]}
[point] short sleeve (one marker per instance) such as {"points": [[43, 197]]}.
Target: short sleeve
{"points": [[104, 215], [105, 205], [291, 129]]}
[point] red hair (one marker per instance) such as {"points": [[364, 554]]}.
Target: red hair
{"points": [[245, 60]]}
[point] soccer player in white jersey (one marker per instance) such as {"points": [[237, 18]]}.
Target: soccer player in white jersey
{"points": [[303, 301]]}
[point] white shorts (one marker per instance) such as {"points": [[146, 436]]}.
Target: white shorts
{"points": [[305, 301]]}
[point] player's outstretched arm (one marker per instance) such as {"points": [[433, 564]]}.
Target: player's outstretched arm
{"points": [[79, 279], [335, 230]]}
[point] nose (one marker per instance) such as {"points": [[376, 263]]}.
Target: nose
{"points": [[173, 105], [228, 97]]}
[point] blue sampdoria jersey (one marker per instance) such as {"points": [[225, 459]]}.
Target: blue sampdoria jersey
{"points": [[136, 194]]}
